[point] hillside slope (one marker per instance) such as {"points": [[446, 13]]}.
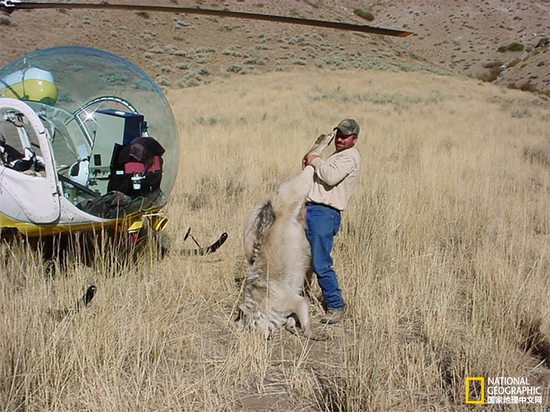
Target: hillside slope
{"points": [[466, 36], [185, 50]]}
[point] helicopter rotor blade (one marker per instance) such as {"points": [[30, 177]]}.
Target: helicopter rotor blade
{"points": [[11, 5]]}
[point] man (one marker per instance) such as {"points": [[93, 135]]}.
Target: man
{"points": [[333, 185]]}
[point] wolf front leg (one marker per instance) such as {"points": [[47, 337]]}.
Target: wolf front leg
{"points": [[301, 309]]}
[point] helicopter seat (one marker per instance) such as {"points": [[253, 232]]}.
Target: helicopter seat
{"points": [[9, 155], [79, 172], [14, 159], [136, 168]]}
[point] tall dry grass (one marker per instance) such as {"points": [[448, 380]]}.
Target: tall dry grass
{"points": [[442, 256]]}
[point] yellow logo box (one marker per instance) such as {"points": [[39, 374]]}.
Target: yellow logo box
{"points": [[481, 400]]}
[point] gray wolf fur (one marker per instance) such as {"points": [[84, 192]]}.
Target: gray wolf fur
{"points": [[279, 256]]}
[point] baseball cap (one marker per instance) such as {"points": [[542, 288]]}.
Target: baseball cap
{"points": [[348, 126]]}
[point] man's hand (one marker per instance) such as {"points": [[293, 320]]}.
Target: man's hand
{"points": [[308, 158]]}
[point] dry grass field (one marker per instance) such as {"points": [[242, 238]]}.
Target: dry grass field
{"points": [[443, 257]]}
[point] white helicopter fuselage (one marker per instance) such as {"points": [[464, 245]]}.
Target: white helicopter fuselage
{"points": [[33, 199]]}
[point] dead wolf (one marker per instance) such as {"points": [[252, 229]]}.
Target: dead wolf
{"points": [[279, 256]]}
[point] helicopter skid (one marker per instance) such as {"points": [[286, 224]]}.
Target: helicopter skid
{"points": [[74, 220]]}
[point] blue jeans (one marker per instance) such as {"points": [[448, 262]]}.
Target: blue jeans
{"points": [[323, 223]]}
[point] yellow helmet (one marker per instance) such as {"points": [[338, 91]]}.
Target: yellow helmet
{"points": [[30, 84]]}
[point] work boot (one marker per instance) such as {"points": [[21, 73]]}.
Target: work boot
{"points": [[332, 316]]}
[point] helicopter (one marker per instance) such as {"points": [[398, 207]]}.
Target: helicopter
{"points": [[76, 153], [88, 141]]}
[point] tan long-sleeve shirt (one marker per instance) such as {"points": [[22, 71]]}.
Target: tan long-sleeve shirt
{"points": [[335, 178]]}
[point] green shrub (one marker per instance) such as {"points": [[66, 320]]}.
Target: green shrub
{"points": [[515, 46], [492, 65], [514, 63], [183, 66], [254, 59], [115, 78], [235, 68], [143, 14], [142, 85], [367, 15], [65, 97], [163, 80], [528, 87], [232, 51], [494, 71], [156, 49], [191, 80], [165, 69], [148, 35], [522, 112]]}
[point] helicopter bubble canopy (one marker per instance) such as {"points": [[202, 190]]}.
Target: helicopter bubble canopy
{"points": [[96, 107]]}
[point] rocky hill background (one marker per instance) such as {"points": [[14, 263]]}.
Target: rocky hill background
{"points": [[502, 41]]}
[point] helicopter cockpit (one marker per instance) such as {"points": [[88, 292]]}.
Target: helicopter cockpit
{"points": [[112, 139]]}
